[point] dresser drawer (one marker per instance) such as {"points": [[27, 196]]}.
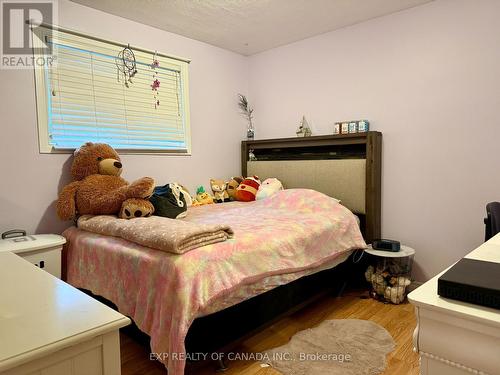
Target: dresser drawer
{"points": [[47, 259]]}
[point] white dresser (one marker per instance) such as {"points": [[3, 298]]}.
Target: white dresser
{"points": [[457, 338], [43, 250], [49, 327]]}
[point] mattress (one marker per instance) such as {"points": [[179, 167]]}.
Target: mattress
{"points": [[294, 233]]}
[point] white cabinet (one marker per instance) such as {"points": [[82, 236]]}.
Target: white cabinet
{"points": [[49, 327], [42, 250], [453, 337]]}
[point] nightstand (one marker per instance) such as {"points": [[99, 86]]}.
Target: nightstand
{"points": [[42, 250], [390, 273]]}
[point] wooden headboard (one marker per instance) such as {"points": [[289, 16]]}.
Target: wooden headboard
{"points": [[347, 167]]}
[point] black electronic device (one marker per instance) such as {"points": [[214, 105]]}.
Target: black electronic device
{"points": [[386, 245], [473, 281]]}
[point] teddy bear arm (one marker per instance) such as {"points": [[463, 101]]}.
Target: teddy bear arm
{"points": [[141, 188], [66, 202]]}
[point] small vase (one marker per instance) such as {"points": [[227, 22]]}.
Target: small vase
{"points": [[250, 133]]}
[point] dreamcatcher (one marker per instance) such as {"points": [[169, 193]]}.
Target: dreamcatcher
{"points": [[125, 64]]}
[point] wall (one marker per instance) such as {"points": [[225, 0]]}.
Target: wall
{"points": [[428, 79], [30, 181]]}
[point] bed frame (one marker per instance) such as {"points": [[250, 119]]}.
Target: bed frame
{"points": [[334, 159]]}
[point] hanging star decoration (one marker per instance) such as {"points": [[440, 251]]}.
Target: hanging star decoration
{"points": [[156, 82]]}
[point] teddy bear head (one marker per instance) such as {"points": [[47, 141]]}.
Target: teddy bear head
{"points": [[95, 158]]}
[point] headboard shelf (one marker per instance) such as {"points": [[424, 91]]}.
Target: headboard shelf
{"points": [[347, 166], [319, 152], [354, 138]]}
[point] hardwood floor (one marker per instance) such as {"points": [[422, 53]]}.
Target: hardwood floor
{"points": [[399, 320]]}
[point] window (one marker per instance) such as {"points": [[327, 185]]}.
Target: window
{"points": [[83, 97]]}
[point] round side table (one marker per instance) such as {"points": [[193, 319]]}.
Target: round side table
{"points": [[390, 273]]}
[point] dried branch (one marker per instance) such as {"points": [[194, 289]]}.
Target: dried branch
{"points": [[245, 108]]}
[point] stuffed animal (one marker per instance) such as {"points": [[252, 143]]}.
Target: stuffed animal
{"points": [[187, 195], [134, 205], [399, 281], [376, 279], [268, 188], [247, 190], [98, 189], [169, 201], [219, 190], [392, 288], [395, 294], [202, 197], [232, 185], [178, 194]]}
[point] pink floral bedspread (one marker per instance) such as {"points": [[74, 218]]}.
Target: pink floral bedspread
{"points": [[276, 240]]}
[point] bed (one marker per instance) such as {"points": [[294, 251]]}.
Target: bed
{"points": [[281, 251]]}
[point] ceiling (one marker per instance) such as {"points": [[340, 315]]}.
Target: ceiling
{"points": [[250, 26]]}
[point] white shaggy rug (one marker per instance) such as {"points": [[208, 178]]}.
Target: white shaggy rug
{"points": [[335, 347]]}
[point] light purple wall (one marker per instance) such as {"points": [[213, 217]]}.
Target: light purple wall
{"points": [[429, 79], [30, 181]]}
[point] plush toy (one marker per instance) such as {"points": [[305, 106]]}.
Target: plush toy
{"points": [[268, 188], [98, 189], [399, 281], [134, 205], [169, 201], [178, 194], [247, 190], [219, 190], [395, 294], [202, 197], [232, 184], [392, 288], [187, 195]]}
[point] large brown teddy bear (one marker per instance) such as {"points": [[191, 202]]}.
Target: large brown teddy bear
{"points": [[98, 189]]}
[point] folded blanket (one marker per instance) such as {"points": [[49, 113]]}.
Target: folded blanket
{"points": [[160, 233]]}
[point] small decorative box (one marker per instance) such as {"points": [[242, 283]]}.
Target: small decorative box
{"points": [[345, 128], [363, 126], [336, 128], [353, 127]]}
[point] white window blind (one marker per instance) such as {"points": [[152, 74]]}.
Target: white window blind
{"points": [[86, 99]]}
